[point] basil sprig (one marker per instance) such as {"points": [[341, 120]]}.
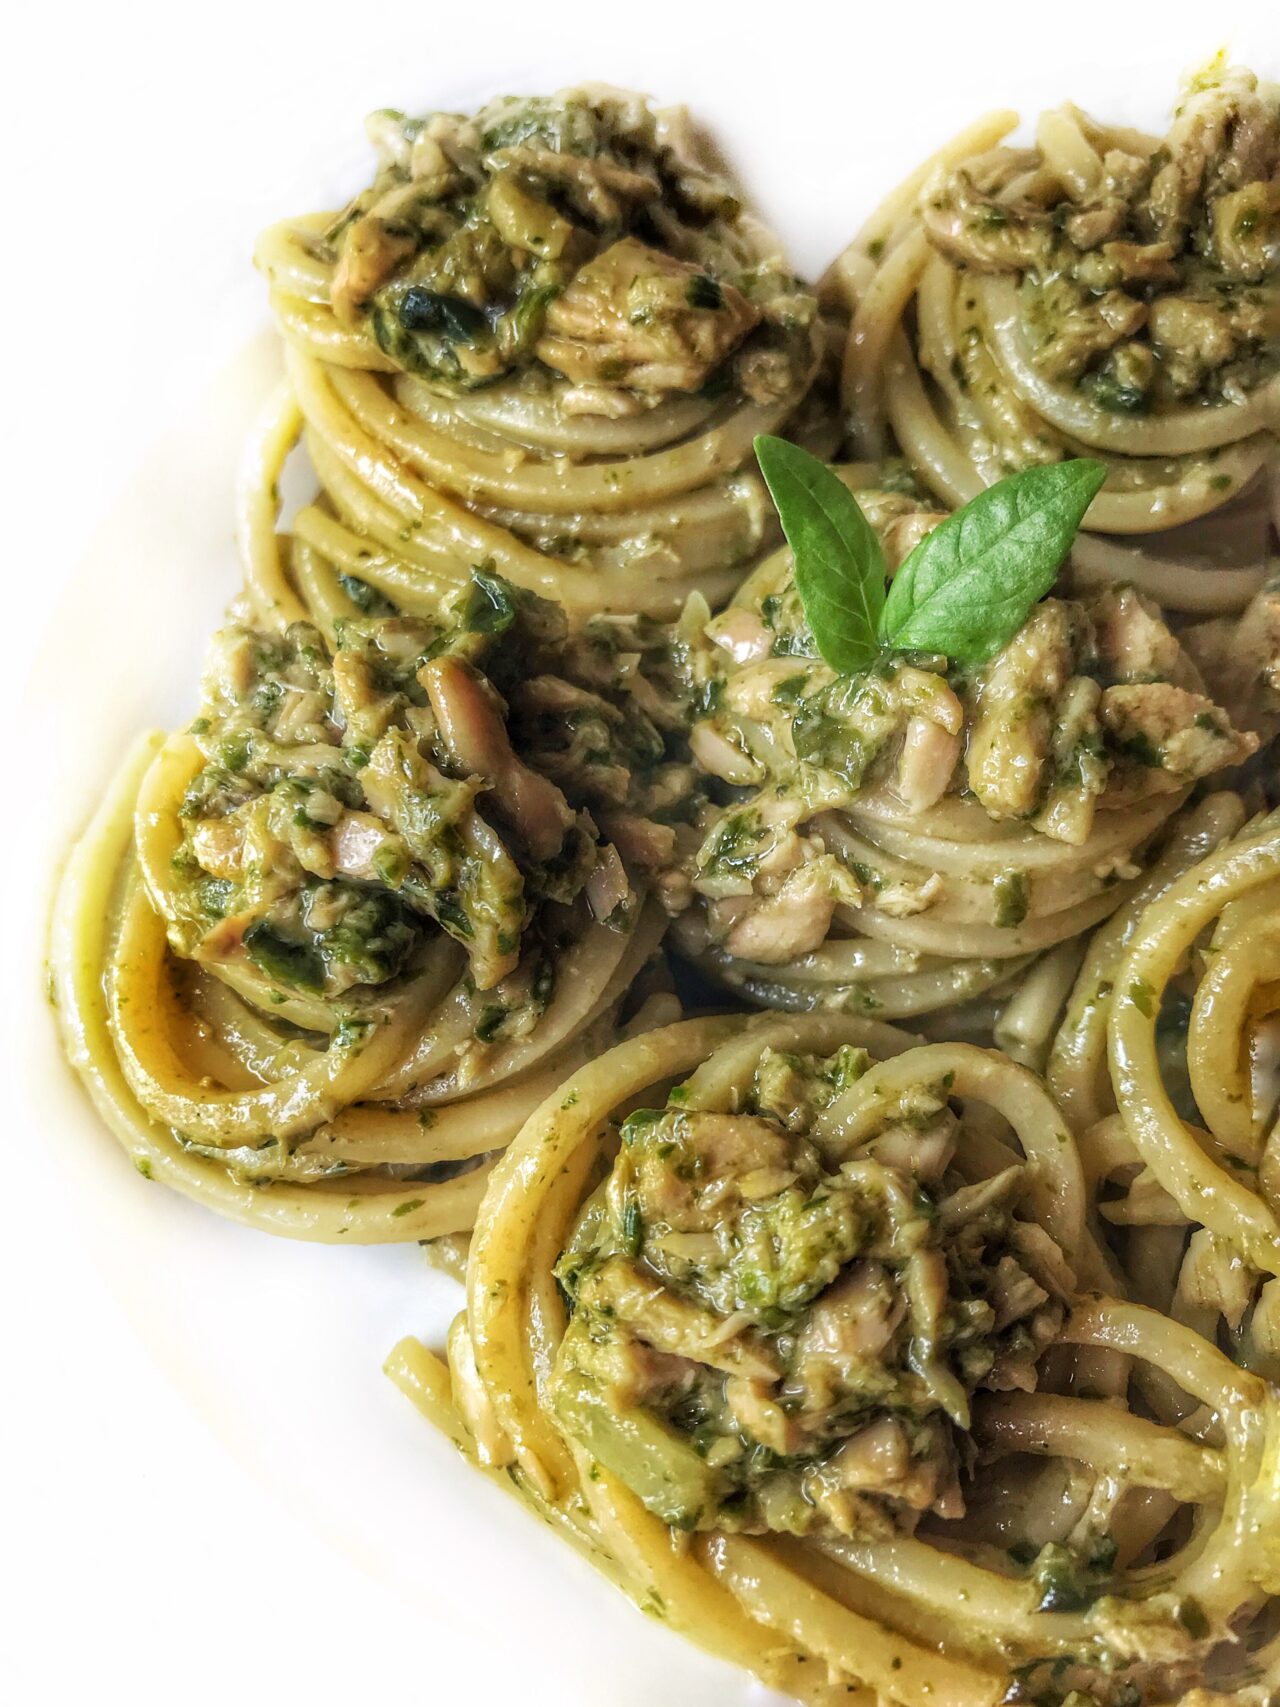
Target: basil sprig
{"points": [[966, 588]]}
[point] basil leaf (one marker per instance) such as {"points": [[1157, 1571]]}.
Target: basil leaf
{"points": [[968, 586], [840, 567]]}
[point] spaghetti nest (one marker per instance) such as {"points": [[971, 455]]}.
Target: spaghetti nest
{"points": [[792, 1326], [903, 839], [1099, 293], [544, 336], [1165, 1066], [320, 954]]}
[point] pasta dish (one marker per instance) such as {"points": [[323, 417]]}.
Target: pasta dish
{"points": [[741, 816]]}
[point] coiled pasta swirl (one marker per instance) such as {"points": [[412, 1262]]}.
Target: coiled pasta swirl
{"points": [[545, 339], [305, 977], [1098, 294], [1165, 1064], [903, 841], [1048, 1578]]}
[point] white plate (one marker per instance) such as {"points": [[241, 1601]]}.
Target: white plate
{"points": [[278, 1345]]}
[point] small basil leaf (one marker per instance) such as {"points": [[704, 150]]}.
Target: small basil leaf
{"points": [[968, 586], [840, 568]]}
